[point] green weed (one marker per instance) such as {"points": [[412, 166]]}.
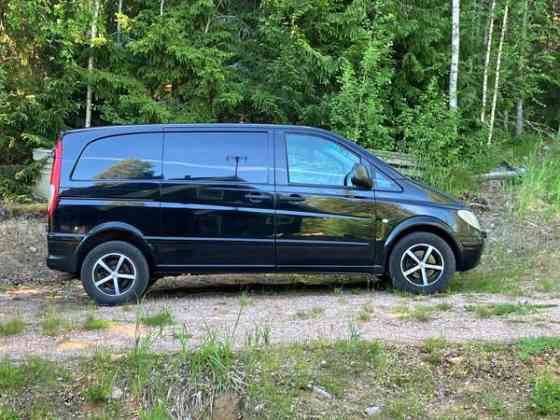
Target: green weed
{"points": [[546, 395], [13, 326], [504, 309], [53, 324], [93, 324], [160, 319], [536, 345]]}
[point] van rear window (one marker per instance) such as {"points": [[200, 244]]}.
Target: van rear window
{"points": [[217, 156], [131, 156]]}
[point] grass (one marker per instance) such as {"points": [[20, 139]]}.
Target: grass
{"points": [[94, 324], [12, 326], [98, 393], [364, 315], [546, 395], [244, 299], [533, 346], [406, 381], [421, 313], [53, 324], [539, 190], [504, 309], [312, 313], [160, 319]]}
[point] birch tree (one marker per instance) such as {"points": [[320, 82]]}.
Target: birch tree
{"points": [[489, 37], [498, 65], [519, 122], [455, 45], [93, 35], [119, 28]]}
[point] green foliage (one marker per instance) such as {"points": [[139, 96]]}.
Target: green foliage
{"points": [[160, 319], [504, 309], [13, 326], [214, 358], [540, 186], [359, 111], [374, 71], [546, 395], [537, 345], [93, 324]]}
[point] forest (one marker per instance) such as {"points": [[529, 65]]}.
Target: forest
{"points": [[460, 84]]}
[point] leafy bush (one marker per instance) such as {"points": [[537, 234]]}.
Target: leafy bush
{"points": [[16, 181]]}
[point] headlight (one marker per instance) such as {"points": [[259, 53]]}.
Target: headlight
{"points": [[470, 218]]}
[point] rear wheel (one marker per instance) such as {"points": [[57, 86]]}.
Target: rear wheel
{"points": [[422, 263], [115, 272]]}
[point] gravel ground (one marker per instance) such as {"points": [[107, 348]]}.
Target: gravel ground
{"points": [[289, 313], [238, 306]]}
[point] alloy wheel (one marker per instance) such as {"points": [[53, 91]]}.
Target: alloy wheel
{"points": [[114, 274], [422, 265]]}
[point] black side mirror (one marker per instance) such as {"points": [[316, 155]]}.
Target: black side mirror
{"points": [[360, 177]]}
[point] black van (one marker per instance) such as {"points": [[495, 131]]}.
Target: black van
{"points": [[130, 204]]}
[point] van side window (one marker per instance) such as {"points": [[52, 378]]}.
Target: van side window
{"points": [[384, 183], [131, 156], [318, 161], [217, 156]]}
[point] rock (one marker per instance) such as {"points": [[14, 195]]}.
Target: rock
{"points": [[456, 360], [321, 392], [323, 363], [116, 394], [33, 249], [373, 410]]}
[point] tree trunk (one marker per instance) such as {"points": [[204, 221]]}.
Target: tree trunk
{"points": [[487, 61], [519, 120], [89, 95], [119, 29], [498, 64], [520, 101], [161, 5], [455, 44]]}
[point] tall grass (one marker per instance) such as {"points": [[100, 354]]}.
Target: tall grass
{"points": [[539, 189]]}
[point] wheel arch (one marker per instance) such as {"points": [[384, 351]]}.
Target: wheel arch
{"points": [[114, 231], [421, 224]]}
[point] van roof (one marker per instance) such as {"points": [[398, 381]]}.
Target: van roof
{"points": [[198, 125]]}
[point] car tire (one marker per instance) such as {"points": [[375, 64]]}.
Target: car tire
{"points": [[114, 273], [422, 263]]}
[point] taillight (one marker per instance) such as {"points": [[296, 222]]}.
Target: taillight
{"points": [[55, 178]]}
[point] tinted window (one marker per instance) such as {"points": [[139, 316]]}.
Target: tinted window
{"points": [[315, 160], [134, 156], [238, 157], [383, 182]]}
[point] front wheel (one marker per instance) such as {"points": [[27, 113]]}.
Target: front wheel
{"points": [[114, 273], [422, 263]]}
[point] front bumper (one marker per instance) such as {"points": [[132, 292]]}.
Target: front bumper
{"points": [[471, 252]]}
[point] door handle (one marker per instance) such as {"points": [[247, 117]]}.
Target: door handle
{"points": [[293, 198], [255, 197]]}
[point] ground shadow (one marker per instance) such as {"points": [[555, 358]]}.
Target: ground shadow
{"points": [[269, 285]]}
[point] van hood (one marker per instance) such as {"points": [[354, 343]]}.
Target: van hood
{"points": [[438, 196]]}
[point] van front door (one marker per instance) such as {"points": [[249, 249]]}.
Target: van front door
{"points": [[323, 223], [217, 201]]}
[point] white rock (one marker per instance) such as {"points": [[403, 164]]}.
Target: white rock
{"points": [[320, 391], [373, 410], [116, 394]]}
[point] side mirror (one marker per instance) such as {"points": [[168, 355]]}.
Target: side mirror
{"points": [[360, 177]]}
